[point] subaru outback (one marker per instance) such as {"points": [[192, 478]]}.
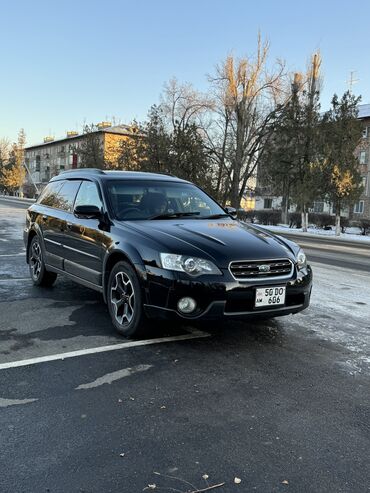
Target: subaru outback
{"points": [[157, 246]]}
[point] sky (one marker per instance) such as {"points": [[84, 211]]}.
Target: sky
{"points": [[66, 62]]}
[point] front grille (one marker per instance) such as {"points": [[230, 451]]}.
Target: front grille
{"points": [[261, 269]]}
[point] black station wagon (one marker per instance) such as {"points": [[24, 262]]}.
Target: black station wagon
{"points": [[157, 246]]}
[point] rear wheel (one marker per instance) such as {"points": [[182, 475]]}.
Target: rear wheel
{"points": [[39, 275], [125, 302]]}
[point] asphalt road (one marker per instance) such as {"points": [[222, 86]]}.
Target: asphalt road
{"points": [[282, 405], [337, 252]]}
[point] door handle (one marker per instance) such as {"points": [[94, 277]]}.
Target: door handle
{"points": [[44, 217], [69, 226]]}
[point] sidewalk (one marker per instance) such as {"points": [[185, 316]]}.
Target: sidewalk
{"points": [[318, 234], [21, 200]]}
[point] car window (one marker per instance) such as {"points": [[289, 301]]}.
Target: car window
{"points": [[49, 195], [145, 199], [66, 195], [88, 194]]}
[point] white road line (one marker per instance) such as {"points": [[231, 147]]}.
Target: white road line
{"points": [[195, 334], [12, 254], [16, 279]]}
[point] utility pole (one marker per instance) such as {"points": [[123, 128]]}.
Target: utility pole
{"points": [[31, 177]]}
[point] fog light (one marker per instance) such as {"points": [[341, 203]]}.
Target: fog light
{"points": [[186, 305]]}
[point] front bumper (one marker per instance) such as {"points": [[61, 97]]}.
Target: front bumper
{"points": [[221, 296]]}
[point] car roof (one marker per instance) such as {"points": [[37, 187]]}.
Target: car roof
{"points": [[104, 175]]}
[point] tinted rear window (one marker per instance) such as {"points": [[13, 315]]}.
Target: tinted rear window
{"points": [[67, 195], [60, 194], [49, 195]]}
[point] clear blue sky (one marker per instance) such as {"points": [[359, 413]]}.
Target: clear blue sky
{"points": [[66, 62]]}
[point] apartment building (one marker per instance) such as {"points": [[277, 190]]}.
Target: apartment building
{"points": [[362, 207], [45, 160]]}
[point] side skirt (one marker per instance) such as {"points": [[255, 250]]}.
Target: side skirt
{"points": [[76, 279]]}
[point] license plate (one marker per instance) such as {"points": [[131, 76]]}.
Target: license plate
{"points": [[271, 296]]}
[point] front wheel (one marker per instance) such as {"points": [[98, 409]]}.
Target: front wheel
{"points": [[39, 275], [125, 302]]}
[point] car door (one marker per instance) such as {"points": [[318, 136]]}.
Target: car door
{"points": [[51, 220], [85, 238]]}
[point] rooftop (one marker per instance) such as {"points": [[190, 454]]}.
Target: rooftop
{"points": [[115, 129], [364, 110]]}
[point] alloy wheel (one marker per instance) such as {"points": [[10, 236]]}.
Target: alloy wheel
{"points": [[35, 260], [123, 298]]}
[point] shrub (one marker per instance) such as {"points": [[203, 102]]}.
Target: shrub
{"points": [[272, 217], [295, 220], [344, 223], [365, 226], [324, 220], [248, 216], [241, 214], [355, 224]]}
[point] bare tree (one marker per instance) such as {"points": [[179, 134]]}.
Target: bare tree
{"points": [[182, 105], [246, 94]]}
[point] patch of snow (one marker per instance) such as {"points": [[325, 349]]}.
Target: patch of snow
{"points": [[12, 223], [15, 402], [319, 232], [340, 313], [112, 377]]}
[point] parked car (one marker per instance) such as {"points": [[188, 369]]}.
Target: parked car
{"points": [[157, 246]]}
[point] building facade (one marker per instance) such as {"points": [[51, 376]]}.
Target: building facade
{"points": [[362, 208], [48, 159]]}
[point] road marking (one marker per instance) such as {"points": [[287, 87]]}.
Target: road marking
{"points": [[12, 254], [16, 279], [112, 377], [194, 334], [14, 402]]}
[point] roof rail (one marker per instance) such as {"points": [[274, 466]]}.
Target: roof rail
{"points": [[83, 170]]}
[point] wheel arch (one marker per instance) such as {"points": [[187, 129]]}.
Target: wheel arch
{"points": [[30, 237], [119, 255]]}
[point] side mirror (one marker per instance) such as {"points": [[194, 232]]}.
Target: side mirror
{"points": [[231, 211], [87, 211]]}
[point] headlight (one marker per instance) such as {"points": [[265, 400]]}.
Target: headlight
{"points": [[191, 265], [301, 259]]}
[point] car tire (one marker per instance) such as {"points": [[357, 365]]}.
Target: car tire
{"points": [[125, 302], [39, 275]]}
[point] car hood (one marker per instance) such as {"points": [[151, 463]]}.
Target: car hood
{"points": [[222, 240]]}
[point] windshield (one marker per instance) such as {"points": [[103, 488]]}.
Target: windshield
{"points": [[141, 199]]}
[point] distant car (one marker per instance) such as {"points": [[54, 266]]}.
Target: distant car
{"points": [[157, 246]]}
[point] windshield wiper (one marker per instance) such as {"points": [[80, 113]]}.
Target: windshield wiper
{"points": [[170, 215], [215, 216]]}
